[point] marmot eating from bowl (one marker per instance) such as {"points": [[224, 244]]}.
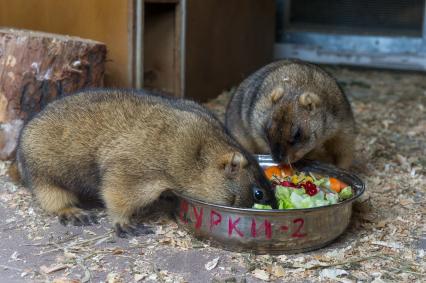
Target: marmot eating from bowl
{"points": [[127, 148], [291, 109]]}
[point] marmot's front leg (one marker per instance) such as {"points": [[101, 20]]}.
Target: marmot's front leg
{"points": [[124, 196], [341, 149]]}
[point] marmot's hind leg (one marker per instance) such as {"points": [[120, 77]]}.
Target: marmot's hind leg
{"points": [[62, 203], [125, 196]]}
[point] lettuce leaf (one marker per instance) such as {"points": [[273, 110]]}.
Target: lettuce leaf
{"points": [[261, 206], [345, 193], [332, 198]]}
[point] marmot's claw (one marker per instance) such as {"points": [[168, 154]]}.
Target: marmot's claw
{"points": [[94, 218], [124, 230], [77, 217], [63, 220], [82, 219]]}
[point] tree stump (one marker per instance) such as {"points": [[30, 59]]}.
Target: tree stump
{"points": [[35, 69]]}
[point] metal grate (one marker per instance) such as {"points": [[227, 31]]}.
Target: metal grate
{"points": [[377, 16]]}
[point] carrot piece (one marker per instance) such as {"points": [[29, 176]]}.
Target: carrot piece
{"points": [[272, 170], [337, 185], [286, 170]]}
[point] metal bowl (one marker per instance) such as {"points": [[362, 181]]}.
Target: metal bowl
{"points": [[271, 231]]}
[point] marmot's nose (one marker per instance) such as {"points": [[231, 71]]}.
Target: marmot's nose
{"points": [[278, 153]]}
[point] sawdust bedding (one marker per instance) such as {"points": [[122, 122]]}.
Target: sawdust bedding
{"points": [[385, 242]]}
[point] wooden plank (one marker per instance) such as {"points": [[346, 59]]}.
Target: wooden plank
{"points": [[226, 41]]}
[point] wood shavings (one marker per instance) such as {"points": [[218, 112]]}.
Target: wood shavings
{"points": [[277, 271], [333, 273], [14, 256], [387, 244], [117, 251], [139, 277], [261, 274], [384, 242], [65, 280], [114, 278], [53, 268], [212, 264]]}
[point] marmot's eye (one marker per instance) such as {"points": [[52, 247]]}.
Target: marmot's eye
{"points": [[258, 194], [296, 137]]}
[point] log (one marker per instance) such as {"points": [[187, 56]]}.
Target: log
{"points": [[35, 69]]}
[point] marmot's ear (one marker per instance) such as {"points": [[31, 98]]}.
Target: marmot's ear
{"points": [[233, 162], [310, 100], [276, 94]]}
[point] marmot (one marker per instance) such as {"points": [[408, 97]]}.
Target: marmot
{"points": [[291, 109], [127, 148]]}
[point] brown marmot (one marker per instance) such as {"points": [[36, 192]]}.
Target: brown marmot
{"points": [[127, 148], [292, 109]]}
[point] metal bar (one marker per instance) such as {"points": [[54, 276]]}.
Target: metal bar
{"points": [[405, 61], [358, 43]]}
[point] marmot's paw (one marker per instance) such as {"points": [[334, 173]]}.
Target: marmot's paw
{"points": [[123, 230], [76, 216]]}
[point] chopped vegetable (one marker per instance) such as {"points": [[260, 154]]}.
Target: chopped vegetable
{"points": [[346, 193], [278, 171], [299, 190], [262, 206], [332, 198], [286, 170], [273, 171], [336, 185]]}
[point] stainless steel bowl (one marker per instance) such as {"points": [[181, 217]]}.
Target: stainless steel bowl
{"points": [[271, 231]]}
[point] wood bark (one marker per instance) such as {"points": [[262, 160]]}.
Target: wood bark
{"points": [[37, 68]]}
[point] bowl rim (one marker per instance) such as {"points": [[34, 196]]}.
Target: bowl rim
{"points": [[359, 190]]}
